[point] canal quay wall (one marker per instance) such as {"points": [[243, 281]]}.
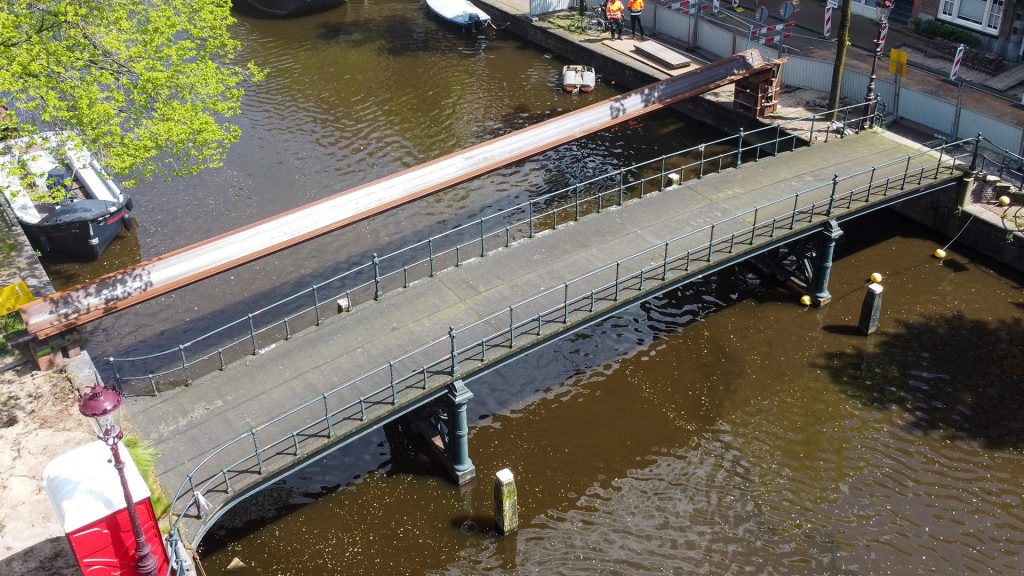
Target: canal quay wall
{"points": [[970, 216]]}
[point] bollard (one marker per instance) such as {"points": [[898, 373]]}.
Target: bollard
{"points": [[871, 309], [506, 502]]}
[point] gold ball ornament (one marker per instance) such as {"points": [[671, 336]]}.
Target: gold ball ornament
{"points": [[876, 277], [939, 253], [1004, 200], [805, 300]]}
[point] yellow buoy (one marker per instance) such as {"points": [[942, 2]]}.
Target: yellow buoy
{"points": [[939, 253], [876, 277], [805, 300], [1004, 200]]}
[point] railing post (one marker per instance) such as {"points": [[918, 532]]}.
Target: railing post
{"points": [[327, 417], [832, 196], [906, 169], [220, 356], [618, 264], [846, 121], [511, 328], [113, 368], [316, 303], [391, 379], [662, 187], [455, 351], [778, 132], [938, 164], [753, 227], [664, 264], [711, 244], [482, 246], [621, 186], [529, 216], [576, 197], [508, 236], [252, 334], [257, 449], [974, 156], [810, 136], [700, 171], [184, 363], [377, 293], [565, 304], [430, 254], [739, 149]]}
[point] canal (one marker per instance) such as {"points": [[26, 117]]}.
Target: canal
{"points": [[719, 429]]}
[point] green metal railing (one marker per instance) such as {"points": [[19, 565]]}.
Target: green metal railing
{"points": [[247, 335], [313, 424]]}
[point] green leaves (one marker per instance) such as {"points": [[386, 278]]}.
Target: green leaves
{"points": [[148, 86]]}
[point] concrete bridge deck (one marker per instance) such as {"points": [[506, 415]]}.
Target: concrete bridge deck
{"points": [[187, 423]]}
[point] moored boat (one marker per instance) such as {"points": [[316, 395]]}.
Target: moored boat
{"points": [[291, 7], [576, 77], [83, 210], [460, 12]]}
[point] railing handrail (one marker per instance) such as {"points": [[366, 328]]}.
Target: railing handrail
{"points": [[528, 207], [709, 247]]}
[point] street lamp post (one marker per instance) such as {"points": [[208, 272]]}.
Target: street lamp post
{"points": [[101, 405], [882, 8]]}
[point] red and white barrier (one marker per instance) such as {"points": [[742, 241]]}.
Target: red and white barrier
{"points": [[827, 31], [883, 31], [954, 73], [687, 6]]}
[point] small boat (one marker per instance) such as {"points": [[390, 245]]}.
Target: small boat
{"points": [[85, 211], [460, 12], [291, 7], [576, 77]]}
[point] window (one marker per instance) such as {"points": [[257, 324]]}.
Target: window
{"points": [[982, 15]]}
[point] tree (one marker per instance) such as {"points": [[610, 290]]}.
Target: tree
{"points": [[146, 85]]}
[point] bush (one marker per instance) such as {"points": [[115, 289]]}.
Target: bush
{"points": [[9, 324], [936, 29]]}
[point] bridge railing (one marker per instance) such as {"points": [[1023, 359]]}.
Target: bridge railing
{"points": [[369, 281], [302, 430]]}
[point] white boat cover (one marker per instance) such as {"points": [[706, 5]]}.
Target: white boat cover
{"points": [[83, 485], [460, 12]]}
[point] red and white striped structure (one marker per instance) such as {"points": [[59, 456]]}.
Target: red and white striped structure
{"points": [[688, 6], [883, 32], [827, 31], [954, 73], [735, 3], [771, 34]]}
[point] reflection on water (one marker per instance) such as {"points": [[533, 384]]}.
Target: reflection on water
{"points": [[721, 429]]}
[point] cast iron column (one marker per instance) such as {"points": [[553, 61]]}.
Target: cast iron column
{"points": [[146, 562], [830, 233], [458, 433], [871, 98]]}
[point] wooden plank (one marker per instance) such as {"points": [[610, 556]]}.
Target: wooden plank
{"points": [[664, 55]]}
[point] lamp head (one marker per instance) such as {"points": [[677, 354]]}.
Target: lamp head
{"points": [[882, 9], [100, 405]]}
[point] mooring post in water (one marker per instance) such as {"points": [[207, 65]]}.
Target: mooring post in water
{"points": [[506, 502], [830, 233], [871, 309], [458, 433]]}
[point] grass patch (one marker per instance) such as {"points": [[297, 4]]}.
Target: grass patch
{"points": [[9, 324], [144, 456]]}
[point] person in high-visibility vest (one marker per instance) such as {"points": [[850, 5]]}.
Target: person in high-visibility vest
{"points": [[614, 14], [636, 8]]}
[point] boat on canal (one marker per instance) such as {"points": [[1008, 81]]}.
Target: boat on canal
{"points": [[291, 7], [460, 12], [64, 201], [576, 77]]}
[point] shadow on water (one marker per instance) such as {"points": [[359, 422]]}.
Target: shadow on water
{"points": [[951, 374]]}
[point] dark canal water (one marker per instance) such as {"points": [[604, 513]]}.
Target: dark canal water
{"points": [[720, 429]]}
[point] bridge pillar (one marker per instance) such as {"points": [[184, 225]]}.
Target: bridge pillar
{"points": [[458, 433], [829, 234]]}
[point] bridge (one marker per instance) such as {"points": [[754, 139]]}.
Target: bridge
{"points": [[405, 357]]}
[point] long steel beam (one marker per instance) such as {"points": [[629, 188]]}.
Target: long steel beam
{"points": [[81, 304]]}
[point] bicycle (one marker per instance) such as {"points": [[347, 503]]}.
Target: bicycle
{"points": [[590, 24]]}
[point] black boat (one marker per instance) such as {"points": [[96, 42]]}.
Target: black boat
{"points": [[291, 7], [62, 198]]}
